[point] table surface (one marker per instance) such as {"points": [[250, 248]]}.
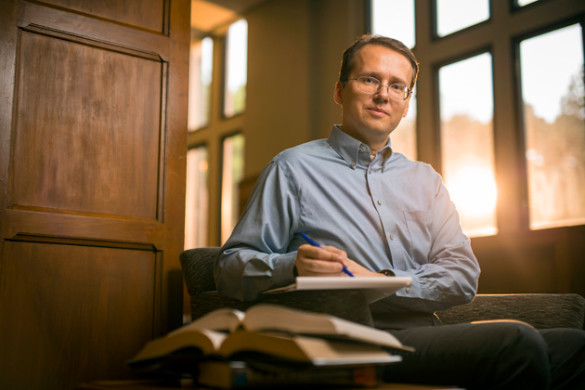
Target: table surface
{"points": [[188, 384]]}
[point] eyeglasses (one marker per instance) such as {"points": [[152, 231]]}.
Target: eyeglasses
{"points": [[371, 85]]}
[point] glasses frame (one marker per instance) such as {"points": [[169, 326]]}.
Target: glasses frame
{"points": [[407, 91]]}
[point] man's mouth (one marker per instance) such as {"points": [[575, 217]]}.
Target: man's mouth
{"points": [[377, 111]]}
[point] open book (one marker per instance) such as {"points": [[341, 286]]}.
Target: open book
{"points": [[268, 331], [373, 288]]}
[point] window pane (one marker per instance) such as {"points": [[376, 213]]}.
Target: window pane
{"points": [[522, 3], [197, 198], [467, 141], [236, 68], [200, 66], [455, 15], [552, 90], [232, 175], [395, 19], [404, 136]]}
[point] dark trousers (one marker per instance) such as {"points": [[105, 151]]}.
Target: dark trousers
{"points": [[492, 355]]}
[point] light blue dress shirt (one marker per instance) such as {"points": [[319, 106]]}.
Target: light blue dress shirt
{"points": [[386, 212]]}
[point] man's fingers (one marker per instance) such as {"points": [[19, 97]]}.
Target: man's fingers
{"points": [[313, 260], [319, 267], [335, 250]]}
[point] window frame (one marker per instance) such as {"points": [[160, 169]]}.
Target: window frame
{"points": [[519, 106], [213, 134]]}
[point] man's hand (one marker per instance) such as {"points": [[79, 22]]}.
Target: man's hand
{"points": [[327, 261]]}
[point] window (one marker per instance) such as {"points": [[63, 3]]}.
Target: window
{"points": [[232, 174], [200, 71], [554, 127], [215, 155], [196, 198], [456, 15], [522, 3], [236, 68], [394, 18], [509, 168], [404, 135], [466, 101]]}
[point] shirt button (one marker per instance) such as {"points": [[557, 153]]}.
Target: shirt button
{"points": [[353, 164], [392, 236], [362, 148], [379, 203]]}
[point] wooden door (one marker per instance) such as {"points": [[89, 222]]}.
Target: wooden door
{"points": [[92, 155]]}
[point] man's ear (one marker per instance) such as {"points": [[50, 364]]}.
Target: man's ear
{"points": [[337, 93]]}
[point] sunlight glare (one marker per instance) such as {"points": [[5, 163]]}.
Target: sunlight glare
{"points": [[473, 190]]}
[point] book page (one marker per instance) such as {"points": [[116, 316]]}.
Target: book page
{"points": [[265, 317], [358, 282], [317, 351], [224, 319], [207, 341]]}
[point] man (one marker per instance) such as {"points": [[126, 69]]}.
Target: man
{"points": [[379, 214]]}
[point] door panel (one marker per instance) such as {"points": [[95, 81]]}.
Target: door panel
{"points": [[132, 12], [72, 310], [95, 127]]}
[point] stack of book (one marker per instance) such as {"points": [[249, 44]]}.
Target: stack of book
{"points": [[272, 345]]}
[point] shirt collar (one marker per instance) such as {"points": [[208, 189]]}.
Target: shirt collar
{"points": [[355, 152]]}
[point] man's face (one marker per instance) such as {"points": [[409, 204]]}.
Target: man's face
{"points": [[372, 117]]}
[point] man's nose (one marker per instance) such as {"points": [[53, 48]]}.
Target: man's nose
{"points": [[383, 92]]}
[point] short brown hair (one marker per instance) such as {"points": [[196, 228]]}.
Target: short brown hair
{"points": [[391, 43]]}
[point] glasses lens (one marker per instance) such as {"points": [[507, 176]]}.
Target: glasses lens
{"points": [[368, 84]]}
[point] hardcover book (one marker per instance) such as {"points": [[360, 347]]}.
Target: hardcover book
{"points": [[269, 332]]}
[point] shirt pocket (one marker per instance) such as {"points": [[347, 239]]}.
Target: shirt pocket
{"points": [[418, 225]]}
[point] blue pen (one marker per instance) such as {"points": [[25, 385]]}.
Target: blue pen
{"points": [[314, 243]]}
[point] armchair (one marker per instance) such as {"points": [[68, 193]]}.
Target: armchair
{"points": [[197, 267], [539, 310]]}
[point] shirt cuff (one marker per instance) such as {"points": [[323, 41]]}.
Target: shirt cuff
{"points": [[284, 273], [411, 291]]}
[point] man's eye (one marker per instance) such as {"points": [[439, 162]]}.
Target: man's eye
{"points": [[397, 87], [369, 80]]}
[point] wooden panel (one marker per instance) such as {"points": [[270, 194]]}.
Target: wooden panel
{"points": [[523, 269], [141, 13], [528, 262], [93, 30], [113, 232], [88, 137], [71, 312]]}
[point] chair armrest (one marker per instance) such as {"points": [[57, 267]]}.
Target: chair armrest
{"points": [[197, 267], [540, 310]]}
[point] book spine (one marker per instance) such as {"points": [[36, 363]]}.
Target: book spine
{"points": [[236, 375]]}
